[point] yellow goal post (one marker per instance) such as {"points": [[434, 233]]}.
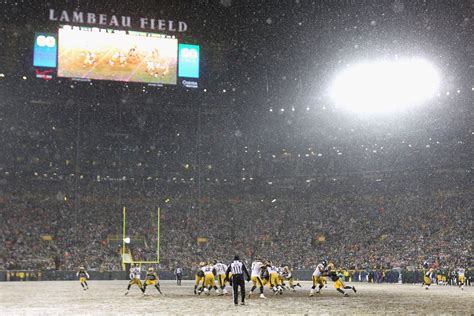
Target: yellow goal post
{"points": [[124, 236]]}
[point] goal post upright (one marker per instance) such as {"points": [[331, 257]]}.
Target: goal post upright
{"points": [[124, 234], [158, 235], [124, 210]]}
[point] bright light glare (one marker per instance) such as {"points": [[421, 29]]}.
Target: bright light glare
{"points": [[385, 86]]}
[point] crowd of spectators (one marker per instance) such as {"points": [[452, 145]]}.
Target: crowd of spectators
{"points": [[300, 227], [353, 232]]}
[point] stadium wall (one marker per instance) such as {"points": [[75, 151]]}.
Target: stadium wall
{"points": [[54, 275], [389, 276]]}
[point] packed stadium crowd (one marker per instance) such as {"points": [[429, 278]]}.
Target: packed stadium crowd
{"points": [[379, 230], [357, 233]]}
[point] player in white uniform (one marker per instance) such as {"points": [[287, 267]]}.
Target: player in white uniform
{"points": [[281, 278], [209, 282], [255, 277], [90, 59], [135, 278], [318, 277], [275, 282], [220, 270]]}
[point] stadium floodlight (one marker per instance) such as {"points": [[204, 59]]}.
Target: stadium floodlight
{"points": [[385, 86]]}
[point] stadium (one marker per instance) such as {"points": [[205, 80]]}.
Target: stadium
{"points": [[151, 155]]}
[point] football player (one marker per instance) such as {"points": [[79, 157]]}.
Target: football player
{"points": [[134, 278], [151, 279], [83, 277]]}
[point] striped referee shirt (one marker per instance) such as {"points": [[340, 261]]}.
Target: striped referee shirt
{"points": [[237, 268]]}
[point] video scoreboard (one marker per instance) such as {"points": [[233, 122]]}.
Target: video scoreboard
{"points": [[93, 53]]}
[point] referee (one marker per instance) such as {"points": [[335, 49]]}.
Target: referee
{"points": [[238, 268], [179, 275]]}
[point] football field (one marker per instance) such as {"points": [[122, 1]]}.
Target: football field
{"points": [[107, 298]]}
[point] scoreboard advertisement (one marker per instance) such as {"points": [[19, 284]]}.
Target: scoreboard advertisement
{"points": [[188, 61], [85, 53], [45, 50]]}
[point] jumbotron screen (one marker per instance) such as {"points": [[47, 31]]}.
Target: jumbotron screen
{"points": [[103, 54]]}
